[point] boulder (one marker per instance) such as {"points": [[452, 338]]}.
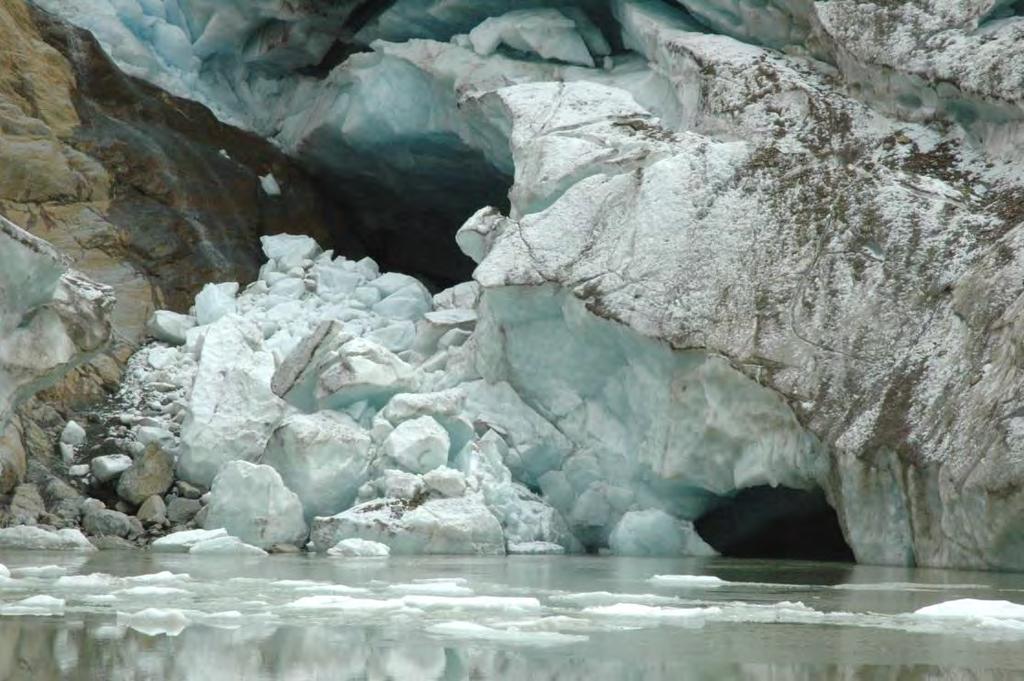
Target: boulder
{"points": [[252, 503], [26, 505], [153, 511], [181, 510], [152, 473], [108, 523]]}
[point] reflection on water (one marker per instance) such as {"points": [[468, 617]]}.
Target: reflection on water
{"points": [[306, 618]]}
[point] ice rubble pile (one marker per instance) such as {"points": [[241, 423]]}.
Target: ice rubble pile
{"points": [[331, 396]]}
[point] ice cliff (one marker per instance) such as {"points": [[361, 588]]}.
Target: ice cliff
{"points": [[719, 246]]}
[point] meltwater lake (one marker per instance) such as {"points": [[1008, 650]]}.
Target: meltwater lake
{"points": [[115, 616]]}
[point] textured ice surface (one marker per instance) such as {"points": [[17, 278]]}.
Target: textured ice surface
{"points": [[252, 503]]}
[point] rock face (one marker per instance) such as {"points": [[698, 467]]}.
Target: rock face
{"points": [[51, 318]]}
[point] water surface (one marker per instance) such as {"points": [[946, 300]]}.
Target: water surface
{"points": [[128, 615]]}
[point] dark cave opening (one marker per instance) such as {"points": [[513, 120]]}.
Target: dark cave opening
{"points": [[775, 523]]}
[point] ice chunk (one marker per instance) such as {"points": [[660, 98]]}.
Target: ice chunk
{"points": [[596, 598], [634, 611], [359, 548], [182, 542], [362, 371], [232, 410], [346, 604], [269, 185], [94, 581], [170, 327], [446, 481], [453, 526], [155, 621], [291, 248], [40, 571], [506, 604], [252, 503], [545, 32], [535, 548], [688, 581], [972, 608], [653, 532], [109, 466], [441, 588], [215, 301], [418, 445], [30, 537], [478, 632], [148, 591], [226, 546], [324, 458], [73, 434], [162, 577], [40, 605]]}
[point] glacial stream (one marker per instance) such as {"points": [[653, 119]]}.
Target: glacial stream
{"points": [[141, 615]]}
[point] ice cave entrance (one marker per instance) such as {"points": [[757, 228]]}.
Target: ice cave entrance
{"points": [[777, 523]]}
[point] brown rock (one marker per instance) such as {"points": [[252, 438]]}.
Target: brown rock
{"points": [[153, 473]]}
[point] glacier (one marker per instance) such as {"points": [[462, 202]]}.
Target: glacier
{"points": [[714, 246]]}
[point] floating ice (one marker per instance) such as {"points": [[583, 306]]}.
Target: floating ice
{"points": [[41, 605], [688, 581], [226, 546], [31, 537], [503, 603], [150, 591], [359, 548], [479, 632], [441, 588], [346, 604], [155, 621], [40, 571], [972, 608], [604, 598], [182, 542], [637, 611], [96, 581]]}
